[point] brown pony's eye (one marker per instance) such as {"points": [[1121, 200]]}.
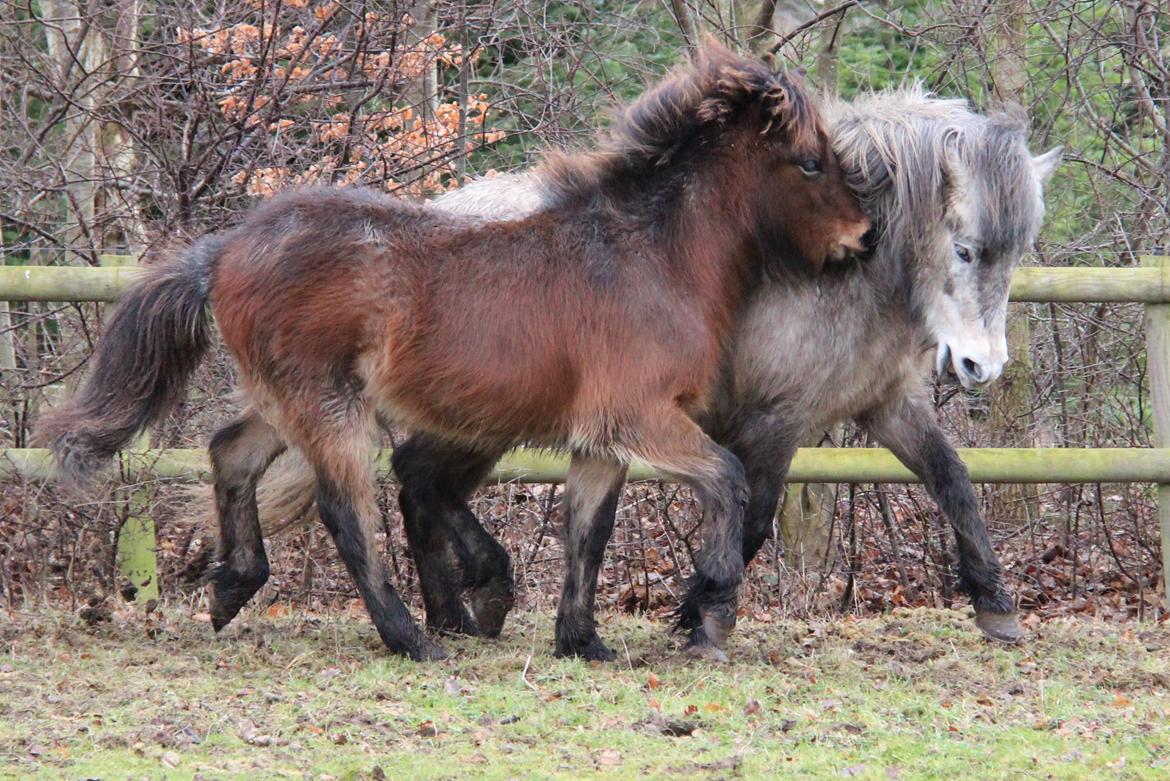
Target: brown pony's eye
{"points": [[810, 167], [964, 253]]}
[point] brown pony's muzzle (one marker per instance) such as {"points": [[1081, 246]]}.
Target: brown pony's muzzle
{"points": [[852, 238]]}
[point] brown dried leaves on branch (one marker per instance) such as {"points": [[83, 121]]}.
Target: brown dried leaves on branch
{"points": [[279, 79]]}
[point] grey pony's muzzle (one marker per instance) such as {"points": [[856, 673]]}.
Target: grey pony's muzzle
{"points": [[966, 371]]}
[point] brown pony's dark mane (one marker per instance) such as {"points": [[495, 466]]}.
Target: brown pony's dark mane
{"points": [[718, 86]]}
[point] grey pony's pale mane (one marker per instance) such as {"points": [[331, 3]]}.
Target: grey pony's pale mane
{"points": [[480, 198], [907, 154], [1011, 204], [893, 149]]}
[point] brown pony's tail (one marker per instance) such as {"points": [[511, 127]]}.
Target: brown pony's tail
{"points": [[154, 340]]}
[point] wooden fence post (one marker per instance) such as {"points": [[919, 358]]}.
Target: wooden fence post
{"points": [[137, 555], [1158, 369]]}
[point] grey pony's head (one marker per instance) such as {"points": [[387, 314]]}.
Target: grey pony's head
{"points": [[957, 200]]}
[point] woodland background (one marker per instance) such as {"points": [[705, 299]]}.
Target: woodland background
{"points": [[127, 126]]}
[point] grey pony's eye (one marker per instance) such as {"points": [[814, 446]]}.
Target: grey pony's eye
{"points": [[964, 254], [810, 167]]}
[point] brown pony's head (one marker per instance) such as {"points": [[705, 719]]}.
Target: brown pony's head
{"points": [[803, 208], [729, 130]]}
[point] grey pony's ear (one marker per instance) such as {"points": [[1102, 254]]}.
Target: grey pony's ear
{"points": [[955, 177], [1044, 165]]}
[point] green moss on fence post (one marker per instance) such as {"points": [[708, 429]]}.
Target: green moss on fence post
{"points": [[137, 547], [1158, 370]]}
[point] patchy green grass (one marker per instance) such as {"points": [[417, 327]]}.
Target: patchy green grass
{"points": [[916, 694]]}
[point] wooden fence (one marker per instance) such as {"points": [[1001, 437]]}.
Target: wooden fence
{"points": [[1148, 284]]}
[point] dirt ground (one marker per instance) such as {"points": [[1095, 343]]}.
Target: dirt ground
{"points": [[911, 694]]}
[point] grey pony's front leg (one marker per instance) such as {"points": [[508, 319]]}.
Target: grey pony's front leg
{"points": [[451, 549], [908, 427], [764, 440]]}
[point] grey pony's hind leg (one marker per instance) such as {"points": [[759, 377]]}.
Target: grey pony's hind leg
{"points": [[451, 549], [675, 445], [592, 489], [765, 442], [240, 454], [486, 566], [907, 426]]}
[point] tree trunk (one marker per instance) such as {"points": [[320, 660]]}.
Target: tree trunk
{"points": [[74, 48], [1011, 397], [97, 52], [686, 24], [423, 93], [116, 153]]}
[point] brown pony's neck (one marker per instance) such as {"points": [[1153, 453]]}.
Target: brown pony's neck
{"points": [[713, 234]]}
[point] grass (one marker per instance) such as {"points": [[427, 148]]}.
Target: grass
{"points": [[915, 694]]}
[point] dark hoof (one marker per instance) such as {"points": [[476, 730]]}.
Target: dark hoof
{"points": [[704, 650], [414, 645], [454, 622], [718, 621], [228, 592], [592, 650], [1003, 627], [699, 646], [220, 617], [491, 604], [428, 651]]}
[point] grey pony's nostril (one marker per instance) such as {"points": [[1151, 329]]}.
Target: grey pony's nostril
{"points": [[973, 369]]}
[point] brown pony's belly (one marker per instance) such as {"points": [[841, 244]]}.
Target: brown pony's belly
{"points": [[569, 391], [470, 395]]}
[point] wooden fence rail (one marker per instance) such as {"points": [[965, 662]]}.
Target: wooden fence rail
{"points": [[811, 465], [1148, 284], [1142, 285]]}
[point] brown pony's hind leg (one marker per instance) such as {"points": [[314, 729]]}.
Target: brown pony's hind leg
{"points": [[240, 454], [451, 549], [592, 489], [338, 445], [675, 445]]}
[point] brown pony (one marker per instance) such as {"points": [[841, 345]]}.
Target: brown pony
{"points": [[594, 325]]}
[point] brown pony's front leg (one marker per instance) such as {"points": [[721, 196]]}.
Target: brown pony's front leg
{"points": [[340, 453], [451, 549], [592, 489], [907, 426], [679, 448]]}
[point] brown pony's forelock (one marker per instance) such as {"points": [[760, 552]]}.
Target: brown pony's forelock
{"points": [[716, 87]]}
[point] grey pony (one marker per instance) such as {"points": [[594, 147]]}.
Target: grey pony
{"points": [[957, 200]]}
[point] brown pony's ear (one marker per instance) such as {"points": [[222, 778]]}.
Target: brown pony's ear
{"points": [[730, 81], [774, 106], [734, 88]]}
